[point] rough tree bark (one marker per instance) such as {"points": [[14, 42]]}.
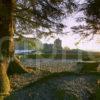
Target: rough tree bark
{"points": [[7, 58]]}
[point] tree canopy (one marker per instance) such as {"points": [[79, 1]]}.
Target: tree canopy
{"points": [[91, 10], [43, 16]]}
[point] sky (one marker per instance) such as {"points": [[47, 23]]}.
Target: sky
{"points": [[71, 38]]}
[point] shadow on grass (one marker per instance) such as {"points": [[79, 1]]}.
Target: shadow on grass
{"points": [[59, 94]]}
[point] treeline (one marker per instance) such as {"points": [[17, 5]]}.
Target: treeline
{"points": [[68, 54]]}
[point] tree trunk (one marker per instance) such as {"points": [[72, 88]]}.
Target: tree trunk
{"points": [[16, 67], [4, 81], [7, 45]]}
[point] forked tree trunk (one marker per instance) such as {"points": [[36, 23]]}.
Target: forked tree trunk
{"points": [[7, 58]]}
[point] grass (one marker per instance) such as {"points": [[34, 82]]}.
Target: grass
{"points": [[55, 75], [88, 67], [50, 56], [97, 94], [60, 94], [46, 77]]}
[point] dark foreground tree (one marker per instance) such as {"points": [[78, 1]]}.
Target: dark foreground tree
{"points": [[91, 10], [27, 14], [7, 44]]}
